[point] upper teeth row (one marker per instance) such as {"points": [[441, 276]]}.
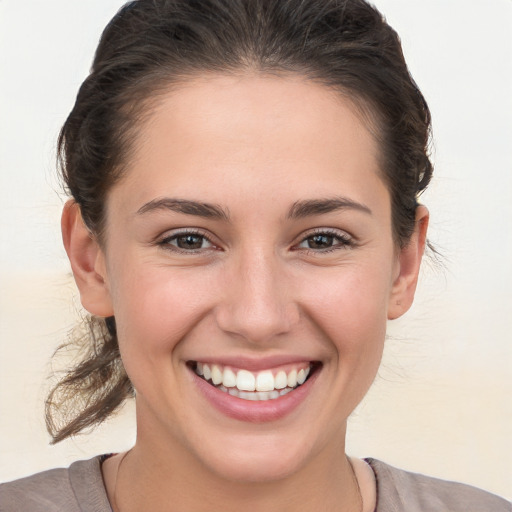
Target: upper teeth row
{"points": [[245, 380]]}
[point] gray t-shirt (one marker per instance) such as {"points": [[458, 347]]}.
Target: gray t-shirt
{"points": [[80, 488]]}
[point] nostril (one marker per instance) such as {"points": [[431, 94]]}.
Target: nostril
{"points": [[257, 324]]}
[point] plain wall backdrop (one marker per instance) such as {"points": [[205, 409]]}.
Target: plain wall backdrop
{"points": [[441, 403]]}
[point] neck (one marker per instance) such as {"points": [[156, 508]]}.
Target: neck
{"points": [[152, 478]]}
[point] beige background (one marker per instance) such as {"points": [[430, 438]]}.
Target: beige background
{"points": [[442, 402]]}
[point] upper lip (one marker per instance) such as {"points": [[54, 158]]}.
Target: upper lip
{"points": [[255, 364]]}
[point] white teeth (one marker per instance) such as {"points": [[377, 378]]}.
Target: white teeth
{"points": [[263, 386], [216, 375], [247, 395], [265, 381], [245, 381], [280, 380], [267, 395], [292, 379], [229, 378], [258, 396]]}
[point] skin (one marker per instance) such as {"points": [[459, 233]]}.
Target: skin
{"points": [[253, 146]]}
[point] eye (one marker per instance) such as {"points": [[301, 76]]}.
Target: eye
{"points": [[326, 241], [188, 241]]}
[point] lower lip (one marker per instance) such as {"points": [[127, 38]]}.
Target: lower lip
{"points": [[255, 411]]}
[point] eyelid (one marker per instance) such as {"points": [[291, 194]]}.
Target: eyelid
{"points": [[347, 241], [163, 240]]}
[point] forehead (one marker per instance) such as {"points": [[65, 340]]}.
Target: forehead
{"points": [[276, 134]]}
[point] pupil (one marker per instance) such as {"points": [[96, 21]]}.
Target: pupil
{"points": [[190, 242], [320, 241]]}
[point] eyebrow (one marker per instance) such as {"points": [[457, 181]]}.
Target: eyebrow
{"points": [[310, 207], [206, 210], [299, 209]]}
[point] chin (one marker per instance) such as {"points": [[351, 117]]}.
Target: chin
{"points": [[256, 459]]}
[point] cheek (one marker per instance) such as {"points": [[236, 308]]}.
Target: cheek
{"points": [[155, 308], [349, 304], [347, 308]]}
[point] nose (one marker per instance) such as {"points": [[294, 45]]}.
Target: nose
{"points": [[258, 303]]}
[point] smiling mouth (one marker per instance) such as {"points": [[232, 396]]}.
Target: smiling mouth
{"points": [[254, 386]]}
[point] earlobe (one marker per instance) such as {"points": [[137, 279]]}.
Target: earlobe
{"points": [[87, 262], [404, 286]]}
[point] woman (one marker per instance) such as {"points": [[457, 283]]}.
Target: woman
{"points": [[245, 179]]}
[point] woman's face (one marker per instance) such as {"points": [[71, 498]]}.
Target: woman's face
{"points": [[251, 237]]}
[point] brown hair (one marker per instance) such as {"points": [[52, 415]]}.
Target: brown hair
{"points": [[151, 44]]}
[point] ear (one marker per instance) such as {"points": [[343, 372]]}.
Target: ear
{"points": [[409, 260], [87, 262]]}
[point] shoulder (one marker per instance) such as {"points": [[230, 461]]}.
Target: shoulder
{"points": [[78, 488], [49, 491], [399, 490]]}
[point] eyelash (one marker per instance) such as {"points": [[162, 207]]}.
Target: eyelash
{"points": [[344, 241], [166, 242]]}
